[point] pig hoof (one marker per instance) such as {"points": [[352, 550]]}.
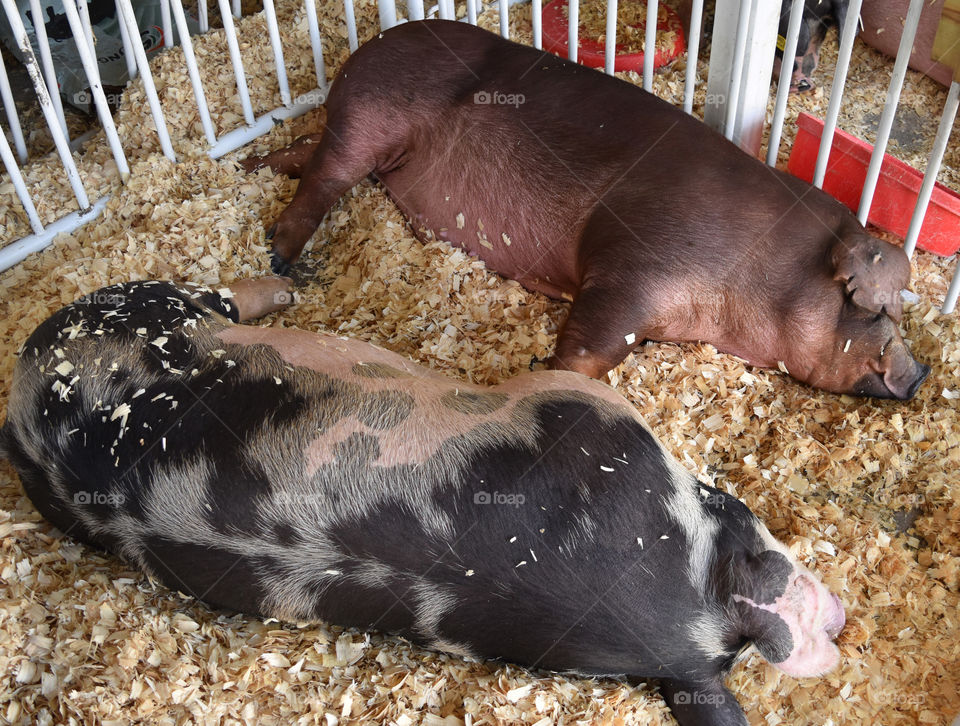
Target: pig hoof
{"points": [[278, 265]]}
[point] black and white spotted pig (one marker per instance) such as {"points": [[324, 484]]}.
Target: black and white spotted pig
{"points": [[304, 476]]}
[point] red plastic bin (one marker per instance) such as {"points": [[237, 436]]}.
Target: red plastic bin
{"points": [[897, 187], [591, 53]]}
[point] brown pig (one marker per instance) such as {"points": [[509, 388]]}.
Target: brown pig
{"points": [[583, 186]]}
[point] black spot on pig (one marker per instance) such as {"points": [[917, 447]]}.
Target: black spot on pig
{"points": [[235, 494], [377, 370], [217, 576], [341, 599], [384, 409], [357, 451], [287, 535], [469, 402]]}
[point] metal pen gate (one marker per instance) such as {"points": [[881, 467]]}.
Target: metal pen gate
{"points": [[741, 61]]}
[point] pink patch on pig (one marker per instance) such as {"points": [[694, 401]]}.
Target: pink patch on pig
{"points": [[431, 423]]}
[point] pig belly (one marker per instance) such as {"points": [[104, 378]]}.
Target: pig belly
{"points": [[500, 206]]}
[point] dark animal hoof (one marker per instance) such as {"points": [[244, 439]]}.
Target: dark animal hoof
{"points": [[279, 266]]}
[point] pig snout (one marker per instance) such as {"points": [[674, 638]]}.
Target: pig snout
{"points": [[815, 618], [900, 378]]}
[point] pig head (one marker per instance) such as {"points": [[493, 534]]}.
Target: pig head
{"points": [[652, 224], [818, 17]]}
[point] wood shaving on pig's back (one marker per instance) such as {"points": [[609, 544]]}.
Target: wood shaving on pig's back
{"points": [[442, 408]]}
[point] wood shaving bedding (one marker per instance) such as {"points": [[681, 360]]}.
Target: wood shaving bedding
{"points": [[865, 492]]}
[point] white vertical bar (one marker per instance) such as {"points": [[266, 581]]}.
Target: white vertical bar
{"points": [[754, 93], [126, 11], [237, 61], [504, 7], [693, 53], [128, 54], [890, 108], [472, 11], [315, 44], [87, 26], [610, 38], [786, 78], [573, 29], [736, 73], [933, 167], [204, 16], [89, 62], [950, 301], [237, 10], [351, 25], [187, 45], [17, 178], [46, 59], [12, 115], [836, 94], [165, 22], [46, 105], [274, 33], [650, 44], [446, 13], [415, 10], [537, 12], [388, 13]]}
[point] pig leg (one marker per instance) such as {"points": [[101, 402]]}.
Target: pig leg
{"points": [[289, 160], [334, 168], [600, 331], [702, 704], [256, 297]]}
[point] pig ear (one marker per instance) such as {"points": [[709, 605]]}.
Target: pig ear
{"points": [[873, 272], [758, 580]]}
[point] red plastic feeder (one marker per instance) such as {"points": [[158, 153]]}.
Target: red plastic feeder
{"points": [[897, 187], [590, 52]]}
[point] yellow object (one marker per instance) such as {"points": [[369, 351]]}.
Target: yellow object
{"points": [[946, 46]]}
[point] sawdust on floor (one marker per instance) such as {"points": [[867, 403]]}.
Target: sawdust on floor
{"points": [[83, 639]]}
